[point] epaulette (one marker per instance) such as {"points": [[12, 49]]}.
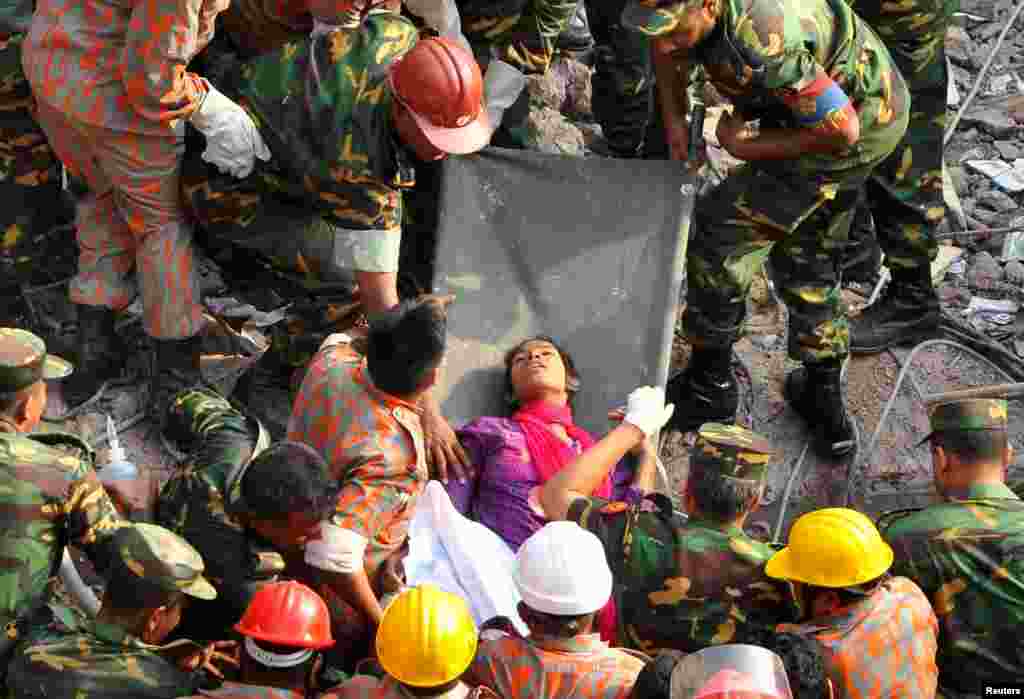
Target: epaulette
{"points": [[886, 519], [56, 440]]}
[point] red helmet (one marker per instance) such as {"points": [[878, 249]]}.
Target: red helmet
{"points": [[439, 82], [287, 614]]}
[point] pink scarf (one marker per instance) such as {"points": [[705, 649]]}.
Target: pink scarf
{"points": [[549, 455]]}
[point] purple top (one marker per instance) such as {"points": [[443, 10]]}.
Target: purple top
{"points": [[499, 494]]}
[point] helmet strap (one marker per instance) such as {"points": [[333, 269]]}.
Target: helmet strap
{"points": [[265, 657]]}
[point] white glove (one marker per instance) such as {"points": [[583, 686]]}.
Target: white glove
{"points": [[646, 409], [232, 140]]}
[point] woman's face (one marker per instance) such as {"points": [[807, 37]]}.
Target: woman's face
{"points": [[537, 371]]}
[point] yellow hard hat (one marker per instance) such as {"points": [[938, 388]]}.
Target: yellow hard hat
{"points": [[427, 637], [832, 547]]}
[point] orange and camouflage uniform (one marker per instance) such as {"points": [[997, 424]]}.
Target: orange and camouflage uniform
{"points": [[367, 687], [373, 443], [113, 92], [881, 646], [582, 667]]}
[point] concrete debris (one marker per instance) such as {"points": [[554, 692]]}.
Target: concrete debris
{"points": [[1007, 176]]}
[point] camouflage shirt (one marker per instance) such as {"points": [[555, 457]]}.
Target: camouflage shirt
{"points": [[967, 555], [520, 32], [50, 496], [323, 106], [769, 56], [78, 658], [681, 585]]}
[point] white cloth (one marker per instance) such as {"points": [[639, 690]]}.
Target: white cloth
{"points": [[337, 550], [462, 557], [232, 140]]}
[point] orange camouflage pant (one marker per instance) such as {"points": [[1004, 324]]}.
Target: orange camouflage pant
{"points": [[133, 234]]}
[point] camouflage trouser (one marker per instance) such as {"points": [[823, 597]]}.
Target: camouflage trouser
{"points": [[751, 216], [30, 185], [905, 195], [623, 78]]}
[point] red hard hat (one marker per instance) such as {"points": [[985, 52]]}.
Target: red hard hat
{"points": [[439, 82], [287, 614]]}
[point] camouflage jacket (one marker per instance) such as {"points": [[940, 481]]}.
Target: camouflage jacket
{"points": [[78, 658], [193, 502], [769, 58], [323, 106], [51, 496], [967, 555], [682, 585]]}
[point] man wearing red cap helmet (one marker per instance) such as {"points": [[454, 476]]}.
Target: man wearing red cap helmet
{"points": [[344, 113]]}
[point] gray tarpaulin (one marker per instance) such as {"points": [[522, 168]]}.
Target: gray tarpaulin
{"points": [[588, 250]]}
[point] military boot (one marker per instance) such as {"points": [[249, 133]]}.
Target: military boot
{"points": [[705, 392], [176, 367], [815, 392], [99, 358], [576, 36], [907, 311]]}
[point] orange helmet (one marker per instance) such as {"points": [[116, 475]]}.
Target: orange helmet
{"points": [[440, 84], [287, 614]]}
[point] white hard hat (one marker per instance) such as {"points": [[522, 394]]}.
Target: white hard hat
{"points": [[562, 570]]}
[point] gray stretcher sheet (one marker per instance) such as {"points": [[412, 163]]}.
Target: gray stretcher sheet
{"points": [[588, 250]]}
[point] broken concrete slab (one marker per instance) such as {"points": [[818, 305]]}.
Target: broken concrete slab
{"points": [[992, 120]]}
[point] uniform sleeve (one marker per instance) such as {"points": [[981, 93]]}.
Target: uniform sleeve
{"points": [[606, 520], [162, 38], [531, 43], [487, 670], [91, 516]]}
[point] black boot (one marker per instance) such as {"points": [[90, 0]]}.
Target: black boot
{"points": [[815, 392], [99, 358], [907, 311], [576, 37], [176, 367], [705, 392]]}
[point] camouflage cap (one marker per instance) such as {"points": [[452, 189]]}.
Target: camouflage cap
{"points": [[731, 451], [162, 558], [653, 17], [23, 360], [968, 415]]}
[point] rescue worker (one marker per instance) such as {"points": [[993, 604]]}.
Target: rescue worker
{"points": [[426, 640], [52, 495], [831, 107], [681, 584], [878, 631], [285, 627], [362, 416], [907, 203], [965, 551], [114, 96], [382, 100], [249, 511], [563, 580], [117, 654]]}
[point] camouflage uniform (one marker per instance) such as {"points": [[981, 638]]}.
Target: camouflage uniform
{"points": [[52, 495], [967, 555], [83, 658], [195, 504], [771, 58], [30, 173], [689, 584], [334, 153], [906, 192], [238, 690]]}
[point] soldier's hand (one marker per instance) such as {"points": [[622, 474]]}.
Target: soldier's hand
{"points": [[209, 656], [444, 453]]}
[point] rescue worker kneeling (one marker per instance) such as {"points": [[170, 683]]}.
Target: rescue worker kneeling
{"points": [[877, 631], [425, 642], [285, 628], [118, 654], [563, 579]]}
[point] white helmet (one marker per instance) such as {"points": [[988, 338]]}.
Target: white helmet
{"points": [[562, 570]]}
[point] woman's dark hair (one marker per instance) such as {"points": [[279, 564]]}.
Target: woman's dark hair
{"points": [[572, 377], [801, 657], [405, 344], [288, 477], [655, 680]]}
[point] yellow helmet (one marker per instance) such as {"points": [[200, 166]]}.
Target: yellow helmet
{"points": [[427, 637], [832, 547]]}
